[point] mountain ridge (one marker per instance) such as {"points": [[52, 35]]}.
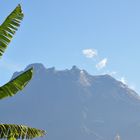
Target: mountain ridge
{"points": [[80, 72], [72, 104]]}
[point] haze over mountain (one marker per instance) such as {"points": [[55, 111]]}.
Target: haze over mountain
{"points": [[74, 105]]}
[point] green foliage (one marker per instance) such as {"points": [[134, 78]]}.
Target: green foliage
{"points": [[9, 27], [12, 132], [12, 87]]}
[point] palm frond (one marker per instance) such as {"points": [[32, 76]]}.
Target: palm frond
{"points": [[15, 85], [9, 27], [13, 131]]}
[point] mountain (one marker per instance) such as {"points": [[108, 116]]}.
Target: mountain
{"points": [[74, 105]]}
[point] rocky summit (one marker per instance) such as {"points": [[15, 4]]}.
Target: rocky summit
{"points": [[71, 104]]}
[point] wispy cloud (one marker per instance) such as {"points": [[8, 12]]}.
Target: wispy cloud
{"points": [[90, 53], [130, 85], [101, 64], [113, 73], [123, 80]]}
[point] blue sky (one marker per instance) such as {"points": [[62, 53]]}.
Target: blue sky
{"points": [[100, 36]]}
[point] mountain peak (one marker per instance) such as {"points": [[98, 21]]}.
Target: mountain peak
{"points": [[36, 66], [91, 107], [75, 68]]}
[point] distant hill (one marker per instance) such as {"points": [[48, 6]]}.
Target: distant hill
{"points": [[74, 105]]}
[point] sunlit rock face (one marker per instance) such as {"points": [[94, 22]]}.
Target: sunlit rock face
{"points": [[74, 105]]}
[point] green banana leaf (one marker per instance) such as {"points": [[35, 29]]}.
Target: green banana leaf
{"points": [[13, 132], [9, 27], [15, 85], [7, 31]]}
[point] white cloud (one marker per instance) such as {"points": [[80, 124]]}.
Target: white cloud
{"points": [[130, 85], [101, 64], [123, 80], [90, 53]]}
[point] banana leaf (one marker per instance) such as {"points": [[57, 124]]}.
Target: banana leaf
{"points": [[15, 85], [13, 132], [9, 27]]}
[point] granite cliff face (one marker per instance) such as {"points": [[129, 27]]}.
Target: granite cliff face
{"points": [[74, 105]]}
